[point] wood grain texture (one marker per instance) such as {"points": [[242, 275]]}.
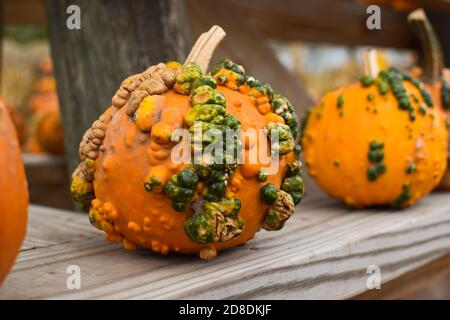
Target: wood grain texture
{"points": [[323, 253], [431, 281], [325, 21], [117, 39]]}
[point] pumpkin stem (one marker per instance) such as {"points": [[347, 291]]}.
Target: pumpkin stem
{"points": [[370, 63], [431, 48], [203, 49]]}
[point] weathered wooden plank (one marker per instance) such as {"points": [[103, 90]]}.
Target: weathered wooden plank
{"points": [[340, 22], [323, 253], [117, 39], [325, 21], [48, 180], [24, 12], [47, 226], [38, 160], [432, 281], [285, 19]]}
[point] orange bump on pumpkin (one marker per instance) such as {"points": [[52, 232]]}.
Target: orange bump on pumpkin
{"points": [[13, 194]]}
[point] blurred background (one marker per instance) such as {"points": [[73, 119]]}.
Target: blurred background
{"points": [[302, 47]]}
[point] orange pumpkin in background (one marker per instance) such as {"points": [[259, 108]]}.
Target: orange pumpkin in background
{"points": [[46, 66], [43, 101], [138, 195], [47, 133], [13, 194], [376, 142], [433, 72], [45, 84]]}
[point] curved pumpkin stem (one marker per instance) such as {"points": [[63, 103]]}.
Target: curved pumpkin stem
{"points": [[431, 47], [370, 63], [203, 49]]}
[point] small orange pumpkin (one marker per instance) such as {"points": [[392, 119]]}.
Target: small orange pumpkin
{"points": [[43, 101], [46, 66], [45, 84], [376, 142], [138, 195], [13, 194], [33, 146], [47, 132]]}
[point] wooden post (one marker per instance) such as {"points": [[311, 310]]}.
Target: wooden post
{"points": [[117, 38]]}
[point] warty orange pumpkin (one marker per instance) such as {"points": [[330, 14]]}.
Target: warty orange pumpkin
{"points": [[138, 195], [13, 194], [380, 141]]}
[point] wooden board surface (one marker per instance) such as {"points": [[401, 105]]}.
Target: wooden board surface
{"points": [[429, 282], [323, 252]]}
